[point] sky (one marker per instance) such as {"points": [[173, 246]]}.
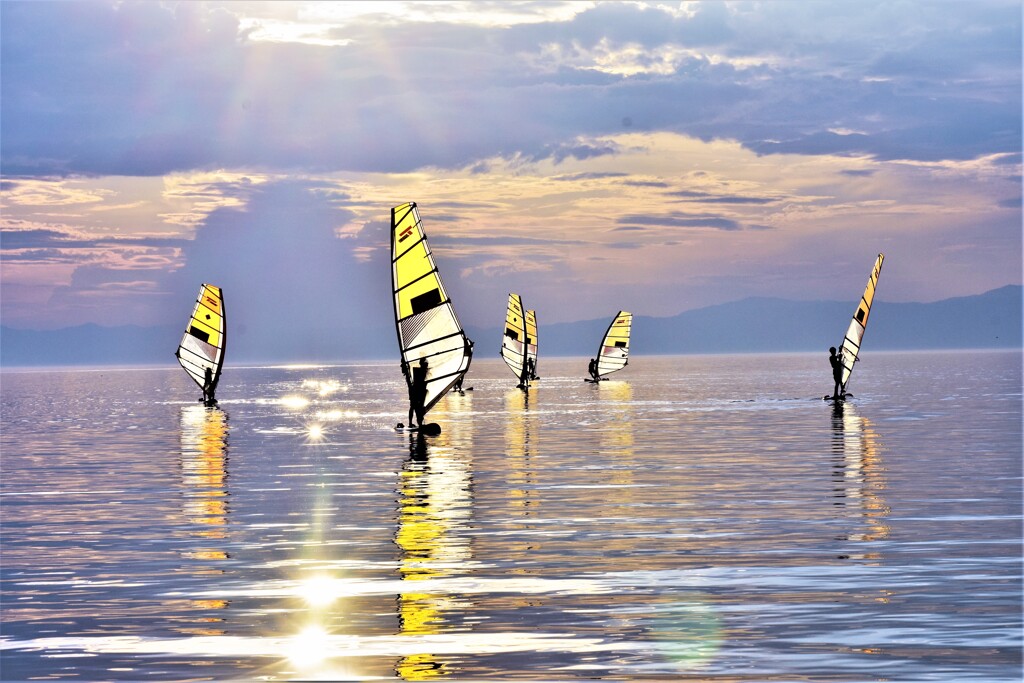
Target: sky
{"points": [[651, 157]]}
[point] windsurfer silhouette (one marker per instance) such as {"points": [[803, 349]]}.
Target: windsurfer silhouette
{"points": [[469, 359], [836, 361], [524, 376], [418, 392], [592, 369], [531, 369], [208, 388]]}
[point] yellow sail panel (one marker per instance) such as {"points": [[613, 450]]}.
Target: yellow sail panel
{"points": [[417, 284], [424, 317], [202, 345], [513, 340], [855, 333], [614, 352], [531, 338]]}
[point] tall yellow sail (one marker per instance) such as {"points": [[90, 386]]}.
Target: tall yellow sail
{"points": [[202, 346], [614, 351], [514, 339], [855, 333], [424, 317]]}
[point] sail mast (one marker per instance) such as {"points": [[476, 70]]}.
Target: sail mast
{"points": [[855, 333]]}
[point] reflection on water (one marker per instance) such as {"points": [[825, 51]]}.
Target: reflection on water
{"points": [[655, 527], [616, 400], [434, 512], [859, 474], [204, 474], [520, 435]]}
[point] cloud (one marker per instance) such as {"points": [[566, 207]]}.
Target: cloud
{"points": [[708, 198], [506, 241], [292, 287], [41, 238], [149, 89], [576, 177], [677, 220]]}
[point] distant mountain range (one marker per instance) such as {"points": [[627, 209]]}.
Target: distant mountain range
{"points": [[989, 320]]}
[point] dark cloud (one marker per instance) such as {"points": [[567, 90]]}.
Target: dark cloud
{"points": [[680, 221], [146, 89], [42, 238], [504, 241], [561, 152], [458, 206], [574, 177], [645, 183], [859, 172], [708, 198]]}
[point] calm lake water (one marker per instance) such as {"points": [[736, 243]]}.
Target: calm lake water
{"points": [[702, 517]]}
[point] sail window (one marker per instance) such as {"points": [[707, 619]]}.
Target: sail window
{"points": [[199, 334], [860, 315], [509, 332], [425, 301], [620, 344]]}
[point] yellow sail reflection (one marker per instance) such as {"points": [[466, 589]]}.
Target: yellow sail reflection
{"points": [[434, 510], [617, 429], [204, 434], [520, 451], [204, 448], [859, 479]]}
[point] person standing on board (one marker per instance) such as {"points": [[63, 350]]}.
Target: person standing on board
{"points": [[418, 392], [836, 361], [592, 369], [469, 359], [208, 388], [524, 376]]}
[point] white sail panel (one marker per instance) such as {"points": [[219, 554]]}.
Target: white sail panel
{"points": [[855, 333], [202, 345], [513, 339], [614, 351], [424, 317]]}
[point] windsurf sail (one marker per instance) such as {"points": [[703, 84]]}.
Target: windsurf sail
{"points": [[855, 333], [614, 351], [514, 340], [531, 341], [202, 346], [424, 317]]}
